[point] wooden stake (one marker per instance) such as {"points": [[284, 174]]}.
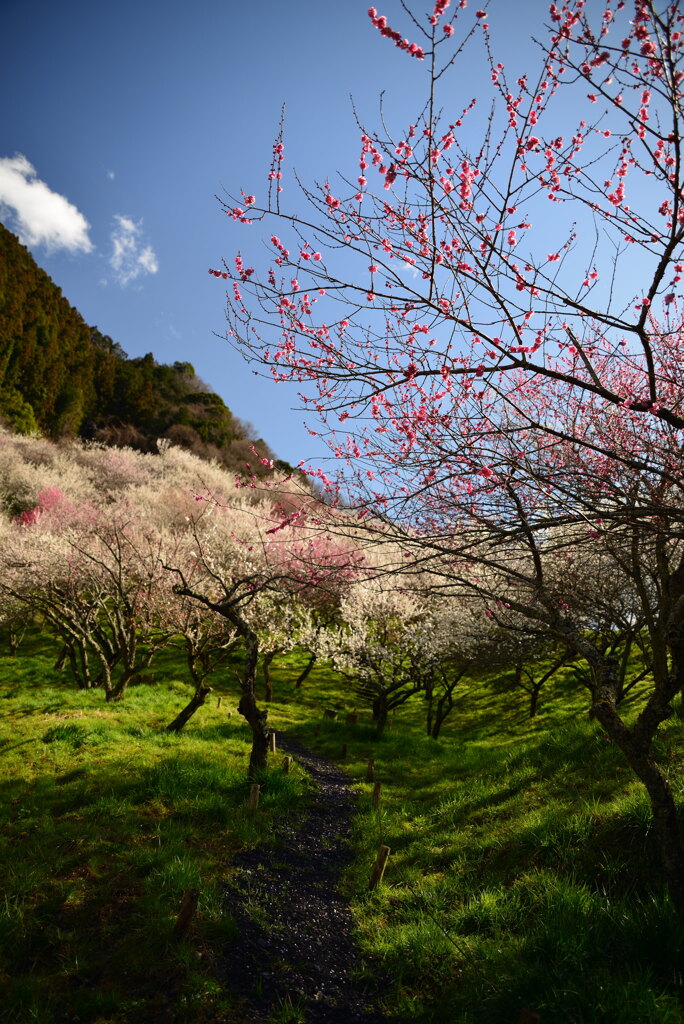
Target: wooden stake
{"points": [[218, 701], [186, 913], [379, 867], [287, 762], [345, 750], [254, 791], [272, 743], [370, 771], [375, 799]]}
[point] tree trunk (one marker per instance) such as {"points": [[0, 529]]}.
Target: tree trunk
{"points": [[16, 635], [380, 711], [200, 695], [247, 707], [305, 671], [444, 706], [258, 758], [668, 829], [62, 659], [534, 698], [636, 744], [78, 657], [445, 702], [268, 682]]}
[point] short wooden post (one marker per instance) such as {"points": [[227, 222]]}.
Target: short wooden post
{"points": [[287, 764], [186, 913], [218, 701], [352, 718], [379, 867], [254, 791], [375, 799], [370, 770], [345, 750], [529, 1017], [230, 714], [272, 743]]}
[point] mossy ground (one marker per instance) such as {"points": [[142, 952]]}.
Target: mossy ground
{"points": [[523, 870]]}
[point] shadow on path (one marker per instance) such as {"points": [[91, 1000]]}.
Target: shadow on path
{"points": [[295, 945]]}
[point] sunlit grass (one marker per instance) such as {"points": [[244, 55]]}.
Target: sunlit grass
{"points": [[106, 821], [523, 870]]}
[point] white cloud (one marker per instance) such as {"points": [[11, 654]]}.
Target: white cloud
{"points": [[111, 175], [39, 215], [130, 257]]}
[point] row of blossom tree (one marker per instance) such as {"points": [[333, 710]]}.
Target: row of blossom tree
{"points": [[122, 554]]}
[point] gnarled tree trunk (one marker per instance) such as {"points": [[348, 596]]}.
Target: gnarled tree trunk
{"points": [[198, 699], [301, 678]]}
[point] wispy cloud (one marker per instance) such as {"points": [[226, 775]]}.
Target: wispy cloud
{"points": [[111, 175], [39, 215], [130, 257]]}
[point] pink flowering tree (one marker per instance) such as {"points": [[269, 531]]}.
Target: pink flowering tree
{"points": [[486, 318], [228, 564], [319, 567]]}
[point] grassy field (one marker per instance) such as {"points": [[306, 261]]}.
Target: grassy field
{"points": [[106, 820], [522, 874]]}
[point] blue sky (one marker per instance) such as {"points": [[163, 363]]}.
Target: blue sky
{"points": [[122, 120]]}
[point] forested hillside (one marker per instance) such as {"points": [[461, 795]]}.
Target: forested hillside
{"points": [[64, 378]]}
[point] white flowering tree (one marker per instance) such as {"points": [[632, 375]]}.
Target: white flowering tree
{"points": [[390, 644]]}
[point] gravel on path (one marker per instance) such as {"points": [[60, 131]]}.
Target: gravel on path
{"points": [[295, 942]]}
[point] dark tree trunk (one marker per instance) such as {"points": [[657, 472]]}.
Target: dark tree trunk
{"points": [[534, 698], [200, 695], [129, 672], [380, 711], [16, 635], [78, 658], [535, 687], [445, 703], [444, 706], [62, 659], [248, 707], [665, 817], [636, 744], [305, 671]]}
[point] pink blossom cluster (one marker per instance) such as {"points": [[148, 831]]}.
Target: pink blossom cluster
{"points": [[276, 174], [380, 22]]}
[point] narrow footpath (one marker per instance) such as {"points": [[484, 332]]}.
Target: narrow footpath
{"points": [[295, 944]]}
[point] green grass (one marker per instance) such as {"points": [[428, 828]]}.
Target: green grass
{"points": [[523, 870], [105, 821]]}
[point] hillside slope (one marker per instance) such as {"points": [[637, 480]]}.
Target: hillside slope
{"points": [[64, 378]]}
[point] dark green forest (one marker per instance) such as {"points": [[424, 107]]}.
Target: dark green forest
{"points": [[63, 378]]}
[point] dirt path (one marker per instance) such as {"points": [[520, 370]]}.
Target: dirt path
{"points": [[295, 930]]}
